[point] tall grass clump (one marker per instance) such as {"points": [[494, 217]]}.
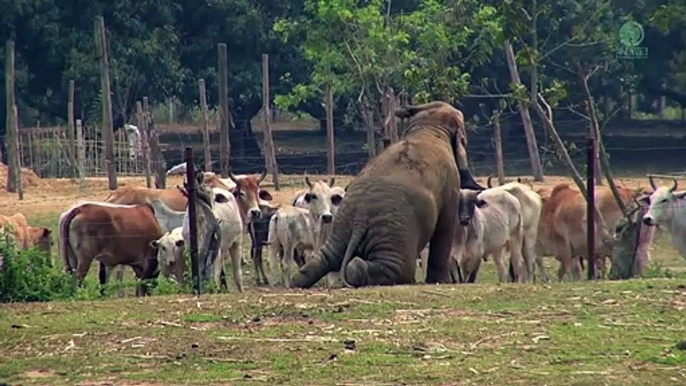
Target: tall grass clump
{"points": [[29, 276]]}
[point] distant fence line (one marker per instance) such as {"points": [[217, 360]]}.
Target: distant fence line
{"points": [[46, 152]]}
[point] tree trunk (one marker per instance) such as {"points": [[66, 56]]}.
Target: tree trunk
{"points": [[532, 146], [368, 118]]}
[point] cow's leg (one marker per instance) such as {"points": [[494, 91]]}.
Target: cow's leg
{"points": [[331, 279], [253, 257], [286, 263], [84, 265], [235, 252], [103, 276], [516, 246], [541, 268], [219, 271], [529, 255], [140, 273], [275, 257], [260, 265], [498, 259], [118, 271]]}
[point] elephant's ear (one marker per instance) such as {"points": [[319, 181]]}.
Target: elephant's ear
{"points": [[405, 112]]}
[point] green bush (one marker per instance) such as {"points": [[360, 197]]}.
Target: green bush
{"points": [[29, 276]]}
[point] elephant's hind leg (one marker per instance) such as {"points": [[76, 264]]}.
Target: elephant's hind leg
{"points": [[387, 270], [441, 243]]}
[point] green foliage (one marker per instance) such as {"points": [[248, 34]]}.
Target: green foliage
{"points": [[29, 276]]}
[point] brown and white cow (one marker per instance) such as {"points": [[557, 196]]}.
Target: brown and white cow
{"points": [[562, 227], [249, 195], [137, 195], [111, 234]]}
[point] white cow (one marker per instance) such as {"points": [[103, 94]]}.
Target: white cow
{"points": [[170, 258], [667, 208], [290, 228], [134, 137], [226, 211], [322, 199], [488, 221], [531, 205]]}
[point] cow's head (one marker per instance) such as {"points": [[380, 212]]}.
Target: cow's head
{"points": [[249, 195], [451, 120], [41, 238], [170, 254], [321, 199], [661, 203], [469, 201]]}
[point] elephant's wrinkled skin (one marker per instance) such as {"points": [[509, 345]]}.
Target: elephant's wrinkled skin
{"points": [[404, 198]]}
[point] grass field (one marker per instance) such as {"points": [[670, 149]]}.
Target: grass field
{"points": [[602, 333]]}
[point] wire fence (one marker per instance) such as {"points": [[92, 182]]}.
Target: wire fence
{"points": [[47, 151]]}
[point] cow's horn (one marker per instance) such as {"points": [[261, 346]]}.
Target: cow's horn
{"points": [[331, 181], [263, 175], [673, 186], [652, 182], [307, 180], [489, 183], [232, 176]]}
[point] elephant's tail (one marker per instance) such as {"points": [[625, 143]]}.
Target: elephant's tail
{"points": [[349, 250]]}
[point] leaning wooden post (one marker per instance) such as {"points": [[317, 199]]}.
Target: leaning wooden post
{"points": [[80, 156], [205, 125], [107, 132], [498, 141], [192, 218], [12, 172], [71, 148], [590, 207], [143, 128], [224, 145], [269, 156], [330, 142]]}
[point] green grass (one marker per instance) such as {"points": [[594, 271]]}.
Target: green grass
{"points": [[619, 333]]}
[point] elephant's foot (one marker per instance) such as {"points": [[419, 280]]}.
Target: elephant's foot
{"points": [[356, 273]]}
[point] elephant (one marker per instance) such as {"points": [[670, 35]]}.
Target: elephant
{"points": [[404, 198]]}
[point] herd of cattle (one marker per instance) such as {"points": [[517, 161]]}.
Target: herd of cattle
{"points": [[414, 201]]}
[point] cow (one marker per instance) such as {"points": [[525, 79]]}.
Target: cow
{"points": [[322, 199], [259, 233], [170, 258], [225, 210], [290, 229], [251, 199], [136, 195], [488, 221], [667, 208], [562, 226], [531, 204], [111, 234], [23, 235]]}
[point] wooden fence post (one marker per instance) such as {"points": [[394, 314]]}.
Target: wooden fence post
{"points": [[205, 125], [498, 142], [269, 150], [70, 128], [80, 156], [224, 144], [590, 207], [107, 131], [154, 144], [13, 174], [145, 145], [330, 141], [192, 218]]}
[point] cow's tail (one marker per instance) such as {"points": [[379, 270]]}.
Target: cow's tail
{"points": [[355, 238], [67, 252]]}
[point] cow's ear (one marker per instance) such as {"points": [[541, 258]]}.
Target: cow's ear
{"points": [[179, 243], [265, 195], [308, 197], [220, 198], [481, 203], [46, 232], [336, 199], [644, 200], [154, 244], [680, 195]]}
